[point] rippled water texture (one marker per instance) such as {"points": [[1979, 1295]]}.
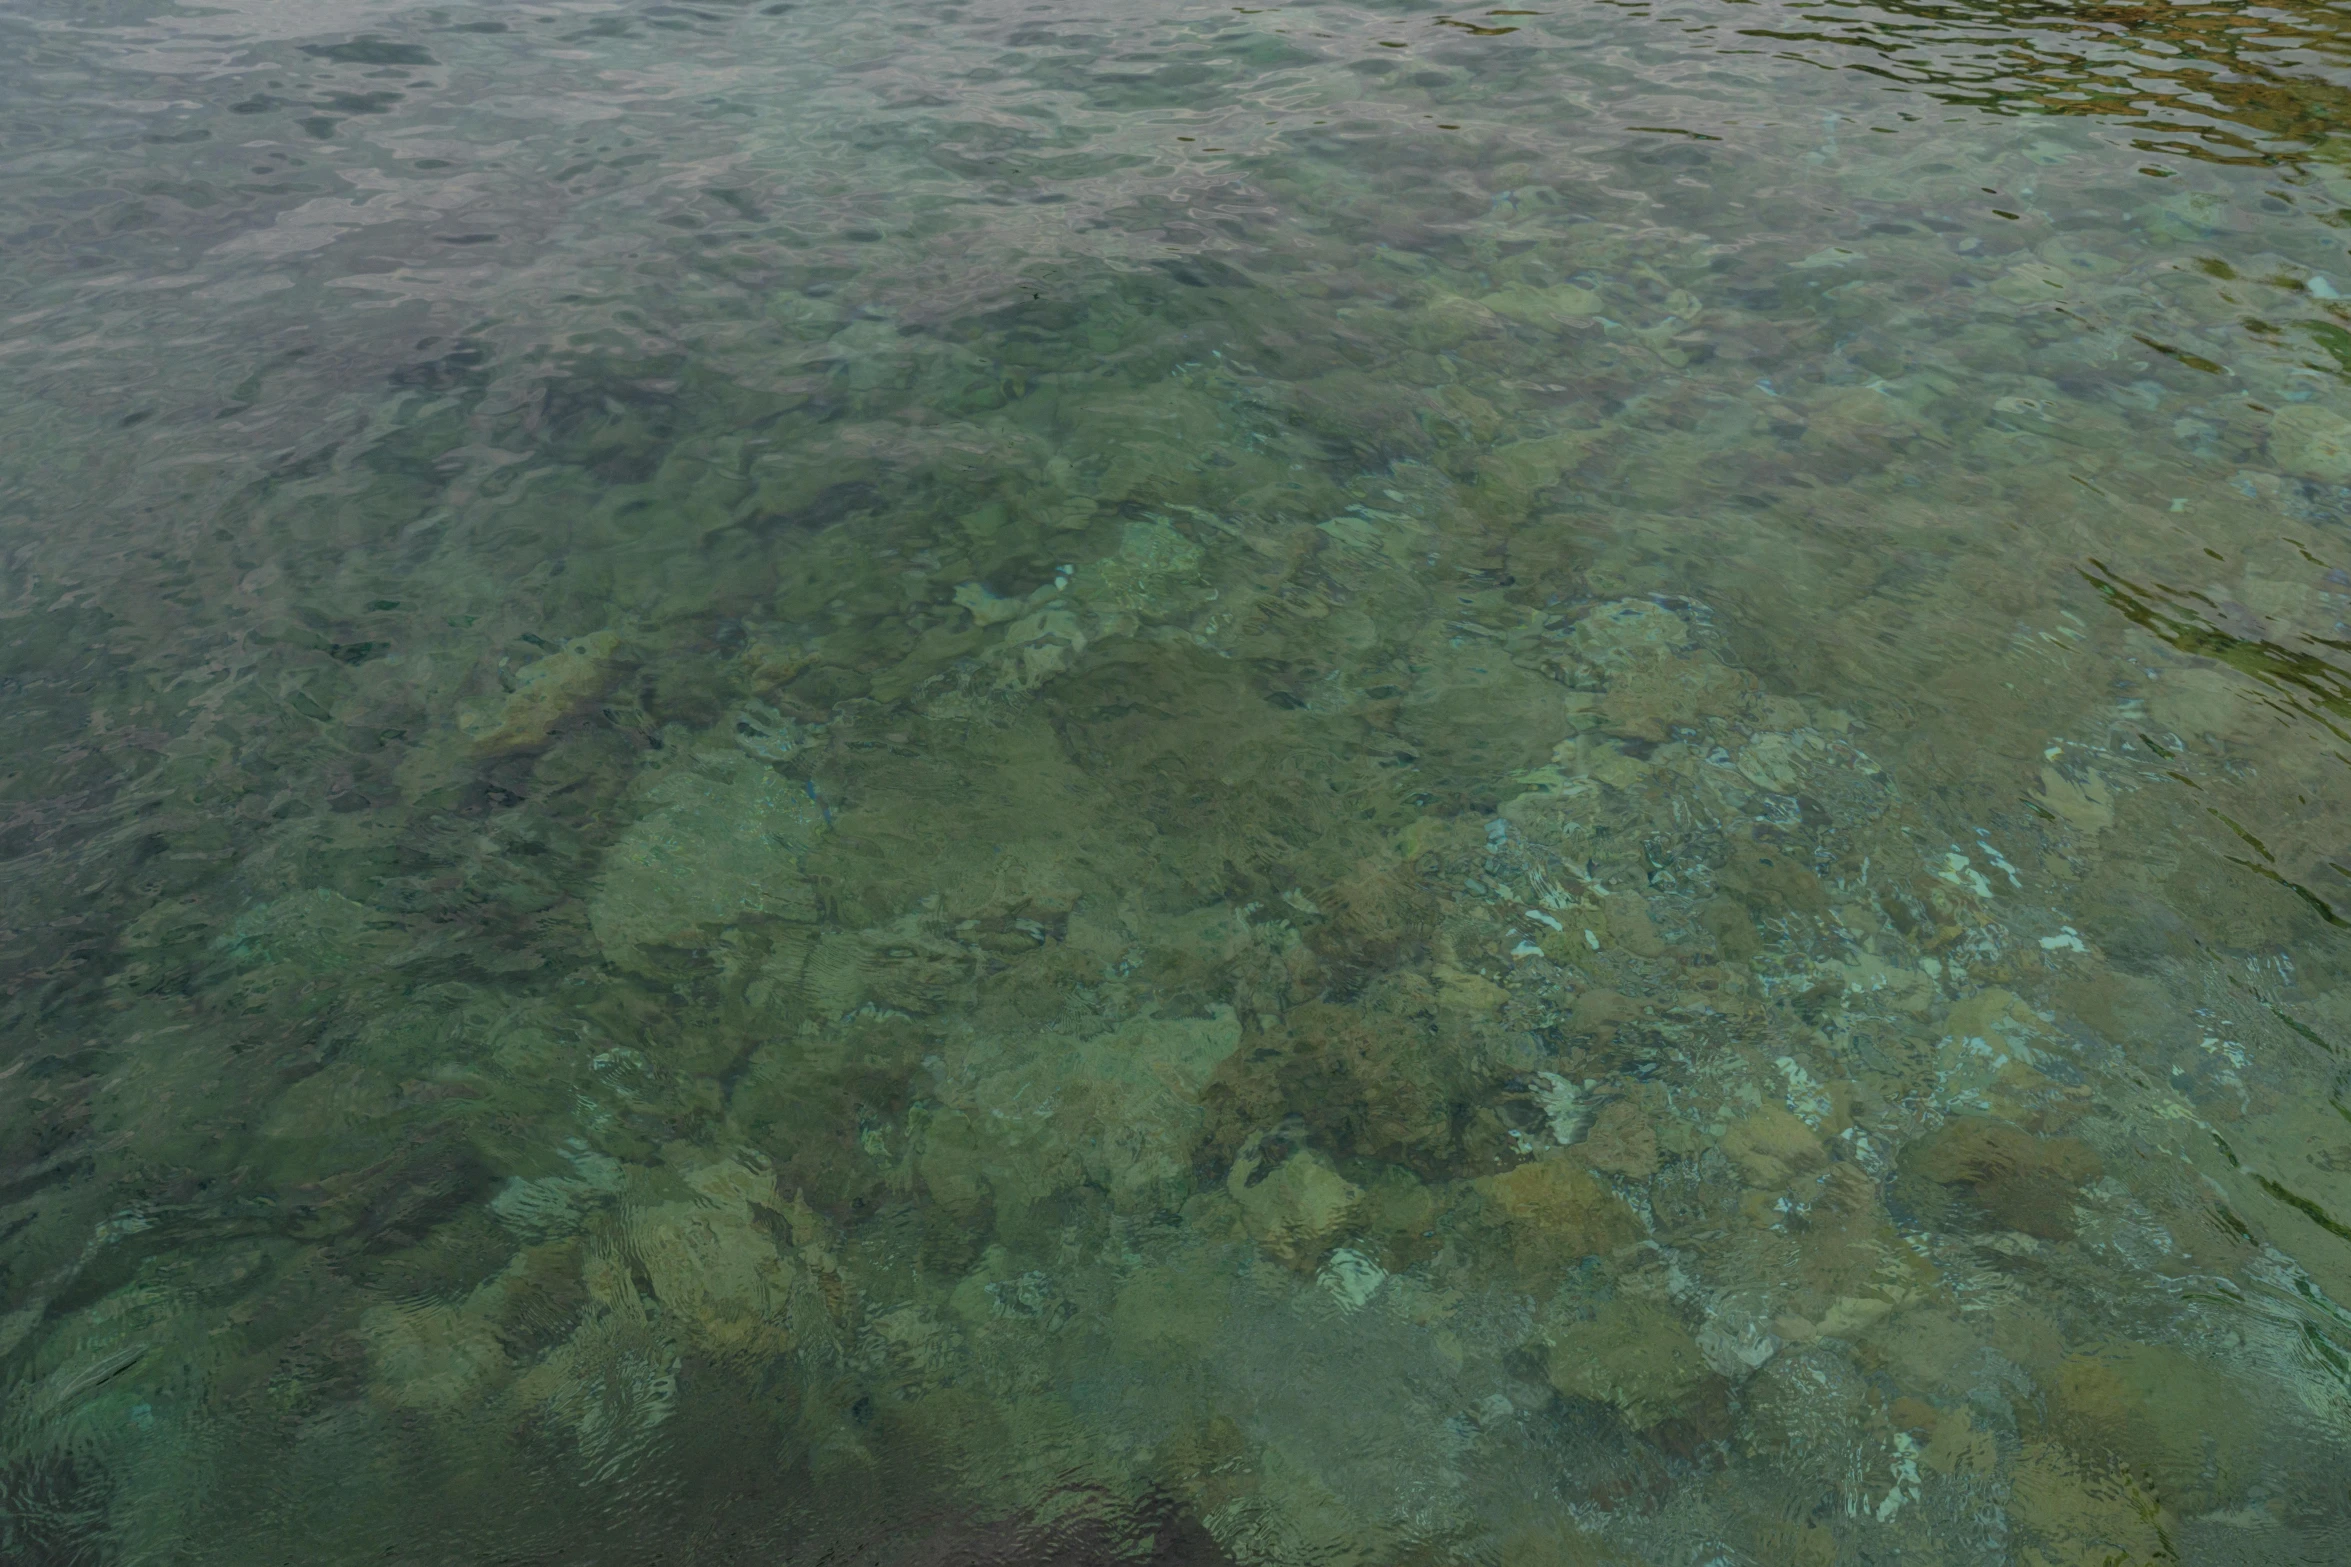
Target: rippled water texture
{"points": [[1058, 783]]}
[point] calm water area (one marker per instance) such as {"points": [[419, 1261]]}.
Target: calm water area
{"points": [[1081, 783]]}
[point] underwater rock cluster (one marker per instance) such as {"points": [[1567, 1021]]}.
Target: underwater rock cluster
{"points": [[1613, 886]]}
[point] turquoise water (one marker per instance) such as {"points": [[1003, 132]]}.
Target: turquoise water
{"points": [[1268, 785]]}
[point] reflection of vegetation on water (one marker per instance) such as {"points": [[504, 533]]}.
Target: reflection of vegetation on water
{"points": [[2310, 688], [2222, 83], [2173, 616]]}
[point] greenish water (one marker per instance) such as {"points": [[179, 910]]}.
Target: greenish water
{"points": [[1319, 784]]}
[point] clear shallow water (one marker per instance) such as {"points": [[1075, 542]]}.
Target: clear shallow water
{"points": [[1310, 784]]}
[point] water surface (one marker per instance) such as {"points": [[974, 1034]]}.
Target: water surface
{"points": [[1322, 783]]}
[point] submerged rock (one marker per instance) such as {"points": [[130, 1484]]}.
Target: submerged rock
{"points": [[1622, 1142], [1559, 305], [2070, 1509], [430, 1358], [2311, 442], [2025, 1183], [1554, 1214], [720, 841], [1294, 1208], [2181, 1421], [1021, 1119], [718, 1273], [1772, 1147], [1631, 1354], [907, 965], [545, 692]]}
